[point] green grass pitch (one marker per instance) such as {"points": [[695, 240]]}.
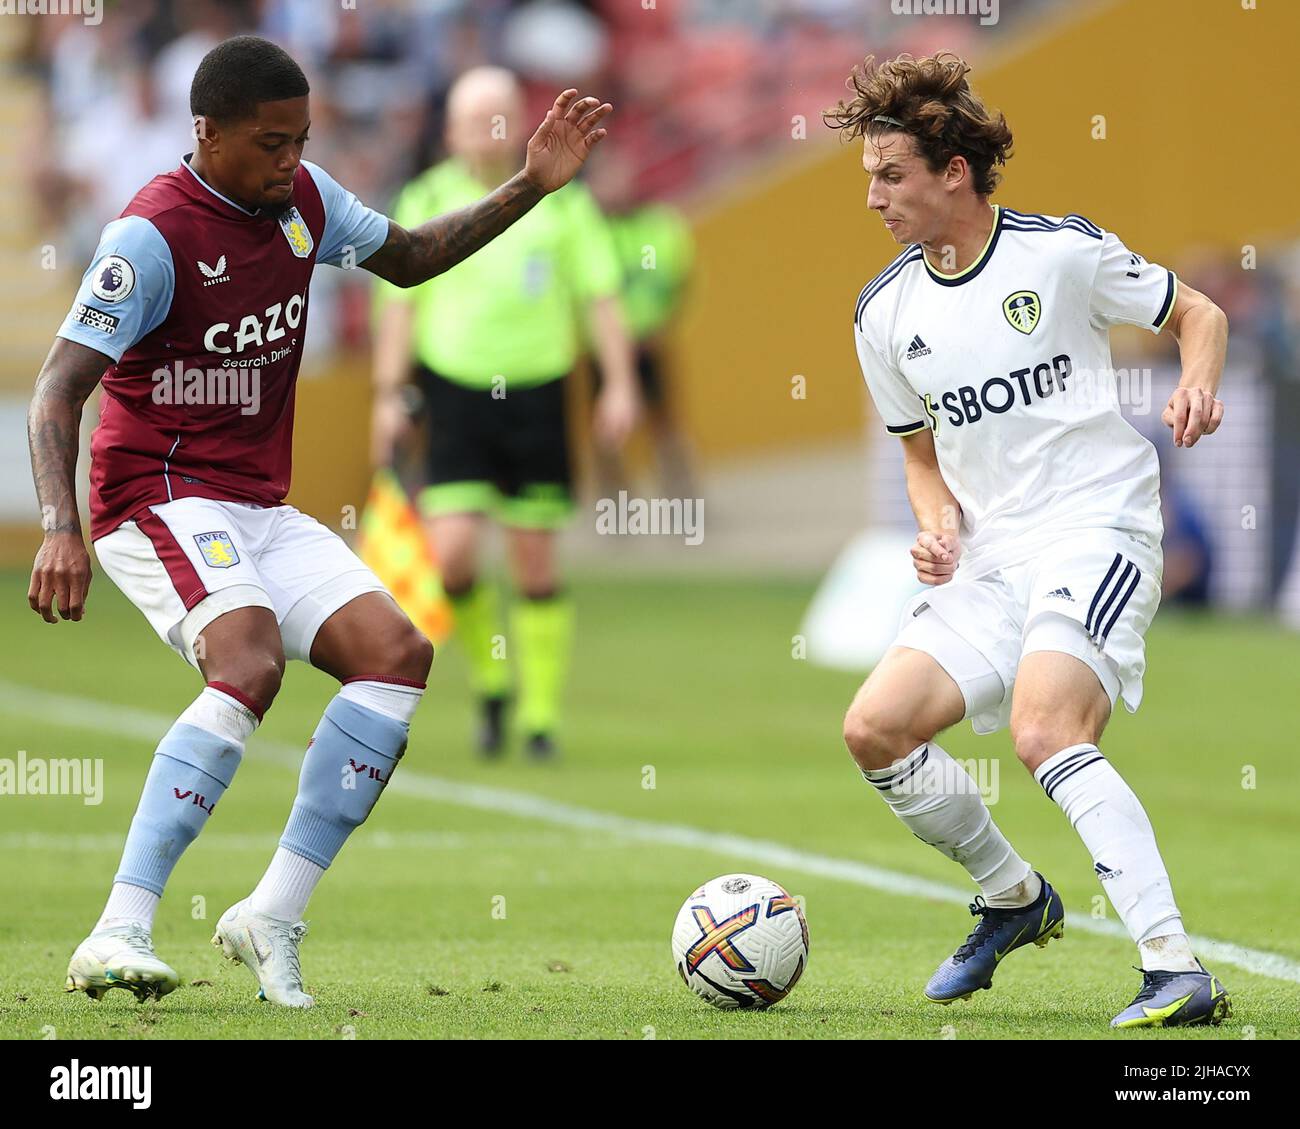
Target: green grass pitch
{"points": [[452, 914]]}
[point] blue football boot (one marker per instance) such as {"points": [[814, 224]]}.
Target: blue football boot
{"points": [[1176, 999], [999, 931]]}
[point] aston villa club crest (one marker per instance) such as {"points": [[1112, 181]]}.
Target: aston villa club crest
{"points": [[1023, 310], [296, 232], [217, 549]]}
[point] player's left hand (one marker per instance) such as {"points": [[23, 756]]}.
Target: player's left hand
{"points": [[563, 140], [1192, 412], [617, 411]]}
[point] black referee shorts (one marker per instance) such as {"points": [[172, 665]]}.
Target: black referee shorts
{"points": [[505, 455]]}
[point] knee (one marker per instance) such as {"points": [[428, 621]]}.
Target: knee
{"points": [[1038, 738], [457, 580], [539, 589], [537, 580], [874, 739], [257, 674], [458, 567], [411, 655], [534, 571], [420, 654]]}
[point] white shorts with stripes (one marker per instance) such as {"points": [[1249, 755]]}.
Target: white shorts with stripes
{"points": [[1090, 594], [191, 560]]}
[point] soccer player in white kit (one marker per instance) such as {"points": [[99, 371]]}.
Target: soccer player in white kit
{"points": [[985, 346]]}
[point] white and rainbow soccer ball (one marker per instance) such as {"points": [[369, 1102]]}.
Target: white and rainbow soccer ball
{"points": [[740, 941]]}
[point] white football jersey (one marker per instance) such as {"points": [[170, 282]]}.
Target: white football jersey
{"points": [[1008, 363]]}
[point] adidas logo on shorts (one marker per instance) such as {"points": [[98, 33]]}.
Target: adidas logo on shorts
{"points": [[1060, 593]]}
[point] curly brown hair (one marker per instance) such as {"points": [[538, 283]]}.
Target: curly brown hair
{"points": [[933, 100]]}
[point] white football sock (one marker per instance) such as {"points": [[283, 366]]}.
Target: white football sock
{"points": [[286, 887], [1115, 829], [1021, 894], [1172, 953], [396, 698], [127, 903], [219, 713], [941, 805]]}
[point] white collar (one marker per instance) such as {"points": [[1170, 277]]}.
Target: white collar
{"points": [[185, 162]]}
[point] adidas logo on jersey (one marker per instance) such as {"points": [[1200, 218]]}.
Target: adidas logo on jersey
{"points": [[213, 275], [917, 348], [1061, 593]]}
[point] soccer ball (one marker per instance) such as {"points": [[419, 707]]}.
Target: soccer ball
{"points": [[740, 941]]}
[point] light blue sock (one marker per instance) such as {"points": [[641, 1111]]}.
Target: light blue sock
{"points": [[192, 767], [349, 760]]}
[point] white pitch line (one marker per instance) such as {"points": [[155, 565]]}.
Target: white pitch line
{"points": [[86, 713], [372, 839]]}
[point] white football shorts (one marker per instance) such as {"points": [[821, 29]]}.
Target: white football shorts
{"points": [[1090, 594], [194, 559]]}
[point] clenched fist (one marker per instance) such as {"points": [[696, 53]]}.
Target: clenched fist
{"points": [[934, 556]]}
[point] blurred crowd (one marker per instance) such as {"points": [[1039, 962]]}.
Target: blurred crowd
{"points": [[702, 88], [1232, 504]]}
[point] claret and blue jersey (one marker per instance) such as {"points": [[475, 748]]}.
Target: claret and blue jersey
{"points": [[187, 285]]}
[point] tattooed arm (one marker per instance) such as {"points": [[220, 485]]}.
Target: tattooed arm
{"points": [[555, 153], [408, 258], [62, 569]]}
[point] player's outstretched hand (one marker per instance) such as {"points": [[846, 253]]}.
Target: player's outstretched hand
{"points": [[1192, 412], [563, 140], [60, 575], [617, 413], [934, 556]]}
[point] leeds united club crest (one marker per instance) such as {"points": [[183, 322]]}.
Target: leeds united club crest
{"points": [[1022, 310]]}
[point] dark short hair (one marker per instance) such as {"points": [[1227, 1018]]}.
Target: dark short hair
{"points": [[237, 75]]}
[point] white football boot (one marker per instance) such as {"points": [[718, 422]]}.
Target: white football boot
{"points": [[120, 956], [269, 947]]}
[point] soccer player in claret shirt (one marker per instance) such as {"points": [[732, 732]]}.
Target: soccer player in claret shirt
{"points": [[206, 272], [985, 346]]}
